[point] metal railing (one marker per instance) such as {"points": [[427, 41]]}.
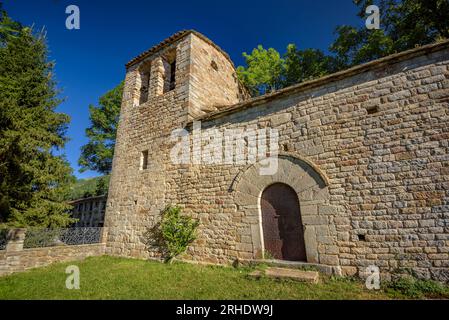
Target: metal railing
{"points": [[41, 238]]}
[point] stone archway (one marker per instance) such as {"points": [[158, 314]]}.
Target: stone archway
{"points": [[311, 187]]}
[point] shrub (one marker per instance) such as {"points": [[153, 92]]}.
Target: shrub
{"points": [[417, 288], [176, 231]]}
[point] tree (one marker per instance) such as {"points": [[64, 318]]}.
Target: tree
{"points": [[34, 179], [404, 25], [303, 65], [263, 72], [97, 154], [266, 71]]}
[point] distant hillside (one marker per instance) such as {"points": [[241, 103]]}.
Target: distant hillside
{"points": [[85, 188]]}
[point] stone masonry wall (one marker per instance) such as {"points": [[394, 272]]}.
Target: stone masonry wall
{"points": [[34, 258], [16, 259], [213, 79], [136, 197], [388, 171], [366, 150]]}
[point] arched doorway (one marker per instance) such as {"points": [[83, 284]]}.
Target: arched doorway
{"points": [[281, 223]]}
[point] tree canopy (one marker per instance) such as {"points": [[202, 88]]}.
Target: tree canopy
{"points": [[267, 71], [303, 65], [98, 153], [34, 176], [404, 25], [263, 71]]}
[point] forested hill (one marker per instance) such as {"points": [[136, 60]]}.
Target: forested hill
{"points": [[85, 188]]}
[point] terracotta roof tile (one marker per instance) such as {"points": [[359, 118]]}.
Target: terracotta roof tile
{"points": [[170, 40]]}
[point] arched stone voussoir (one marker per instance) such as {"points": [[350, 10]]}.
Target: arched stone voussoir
{"points": [[299, 174], [292, 169], [312, 191], [308, 168], [300, 180], [245, 199], [296, 172], [249, 188]]}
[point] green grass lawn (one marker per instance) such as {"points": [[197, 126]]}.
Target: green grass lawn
{"points": [[118, 278]]}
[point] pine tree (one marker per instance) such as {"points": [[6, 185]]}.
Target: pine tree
{"points": [[33, 177], [263, 72]]}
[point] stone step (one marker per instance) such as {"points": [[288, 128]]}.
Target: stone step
{"points": [[284, 273], [293, 265]]}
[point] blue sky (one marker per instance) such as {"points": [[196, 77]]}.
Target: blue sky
{"points": [[90, 61]]}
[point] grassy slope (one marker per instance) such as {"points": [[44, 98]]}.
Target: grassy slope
{"points": [[117, 278]]}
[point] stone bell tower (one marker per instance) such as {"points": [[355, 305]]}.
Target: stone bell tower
{"points": [[181, 78]]}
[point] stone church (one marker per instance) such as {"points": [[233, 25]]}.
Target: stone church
{"points": [[362, 173]]}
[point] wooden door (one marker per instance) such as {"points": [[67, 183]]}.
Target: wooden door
{"points": [[281, 222]]}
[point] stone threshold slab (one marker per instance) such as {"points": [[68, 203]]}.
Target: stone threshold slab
{"points": [[284, 273], [329, 270]]}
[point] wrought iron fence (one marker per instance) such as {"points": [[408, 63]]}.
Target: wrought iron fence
{"points": [[3, 238], [40, 238]]}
